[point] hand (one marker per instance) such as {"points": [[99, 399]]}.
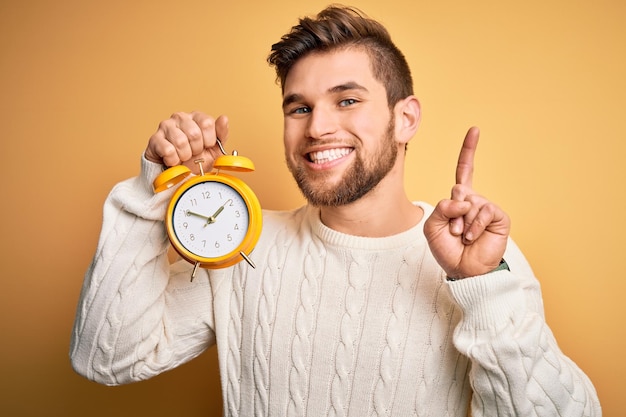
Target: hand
{"points": [[186, 137], [467, 234]]}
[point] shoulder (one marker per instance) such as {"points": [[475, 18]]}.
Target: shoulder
{"points": [[285, 221]]}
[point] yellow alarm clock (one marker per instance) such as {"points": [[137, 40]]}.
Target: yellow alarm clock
{"points": [[213, 220]]}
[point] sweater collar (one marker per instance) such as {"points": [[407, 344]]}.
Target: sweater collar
{"points": [[412, 236]]}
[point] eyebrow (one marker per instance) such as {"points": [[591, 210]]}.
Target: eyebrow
{"points": [[350, 85]]}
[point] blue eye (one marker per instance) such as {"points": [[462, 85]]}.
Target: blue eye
{"points": [[301, 110], [347, 102]]}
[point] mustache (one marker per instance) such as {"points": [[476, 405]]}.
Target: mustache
{"points": [[310, 143]]}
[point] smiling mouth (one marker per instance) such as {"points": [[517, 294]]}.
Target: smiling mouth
{"points": [[328, 155]]}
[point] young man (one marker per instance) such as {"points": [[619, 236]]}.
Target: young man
{"points": [[362, 302]]}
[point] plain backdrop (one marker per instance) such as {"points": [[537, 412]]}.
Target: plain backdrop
{"points": [[83, 84]]}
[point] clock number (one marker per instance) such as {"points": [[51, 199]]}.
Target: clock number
{"points": [[210, 221]]}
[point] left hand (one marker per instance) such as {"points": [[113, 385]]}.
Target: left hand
{"points": [[467, 234]]}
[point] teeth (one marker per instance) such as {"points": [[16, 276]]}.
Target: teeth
{"points": [[328, 155]]}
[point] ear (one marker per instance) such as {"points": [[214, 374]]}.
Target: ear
{"points": [[407, 113]]}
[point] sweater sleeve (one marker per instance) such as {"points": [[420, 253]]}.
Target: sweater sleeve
{"points": [[517, 366], [137, 316]]}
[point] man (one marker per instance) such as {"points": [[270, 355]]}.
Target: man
{"points": [[362, 302]]}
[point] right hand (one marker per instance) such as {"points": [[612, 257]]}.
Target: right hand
{"points": [[467, 233], [186, 137]]}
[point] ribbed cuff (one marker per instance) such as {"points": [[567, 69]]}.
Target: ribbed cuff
{"points": [[149, 171], [488, 301]]}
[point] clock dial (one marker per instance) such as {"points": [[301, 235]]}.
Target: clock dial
{"points": [[210, 219]]}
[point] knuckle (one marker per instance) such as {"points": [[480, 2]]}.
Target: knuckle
{"points": [[206, 123], [457, 188], [490, 209], [194, 133], [480, 222], [170, 156], [443, 205], [165, 125], [179, 115], [166, 150], [179, 140]]}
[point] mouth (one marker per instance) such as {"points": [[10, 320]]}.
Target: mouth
{"points": [[328, 155]]}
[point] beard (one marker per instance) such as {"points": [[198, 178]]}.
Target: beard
{"points": [[359, 179]]}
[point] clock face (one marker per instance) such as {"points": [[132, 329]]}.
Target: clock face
{"points": [[210, 219]]}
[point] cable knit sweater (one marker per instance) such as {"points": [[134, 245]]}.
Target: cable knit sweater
{"points": [[327, 324]]}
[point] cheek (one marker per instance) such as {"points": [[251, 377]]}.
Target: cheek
{"points": [[370, 123], [292, 135], [368, 133]]}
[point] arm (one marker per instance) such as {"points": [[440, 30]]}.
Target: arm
{"points": [[137, 316], [517, 366], [133, 320]]}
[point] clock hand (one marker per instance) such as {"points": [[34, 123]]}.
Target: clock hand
{"points": [[217, 213], [209, 219]]}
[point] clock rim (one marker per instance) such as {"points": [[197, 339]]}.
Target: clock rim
{"points": [[255, 220]]}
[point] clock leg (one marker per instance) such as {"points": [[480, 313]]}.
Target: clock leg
{"points": [[195, 269], [244, 256]]}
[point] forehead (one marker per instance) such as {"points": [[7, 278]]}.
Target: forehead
{"points": [[327, 69]]}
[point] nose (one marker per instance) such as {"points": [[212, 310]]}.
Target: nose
{"points": [[321, 123]]}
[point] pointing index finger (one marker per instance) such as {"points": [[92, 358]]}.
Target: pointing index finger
{"points": [[465, 164]]}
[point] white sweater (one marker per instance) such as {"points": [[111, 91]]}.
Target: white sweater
{"points": [[327, 324]]}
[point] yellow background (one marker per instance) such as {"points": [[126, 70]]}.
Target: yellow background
{"points": [[83, 84]]}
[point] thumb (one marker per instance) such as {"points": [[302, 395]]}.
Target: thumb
{"points": [[221, 128], [448, 212]]}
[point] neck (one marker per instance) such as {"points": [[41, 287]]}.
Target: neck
{"points": [[384, 211]]}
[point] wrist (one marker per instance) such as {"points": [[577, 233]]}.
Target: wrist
{"points": [[502, 266]]}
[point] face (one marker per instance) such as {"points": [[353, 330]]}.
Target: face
{"points": [[339, 130], [210, 219]]}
